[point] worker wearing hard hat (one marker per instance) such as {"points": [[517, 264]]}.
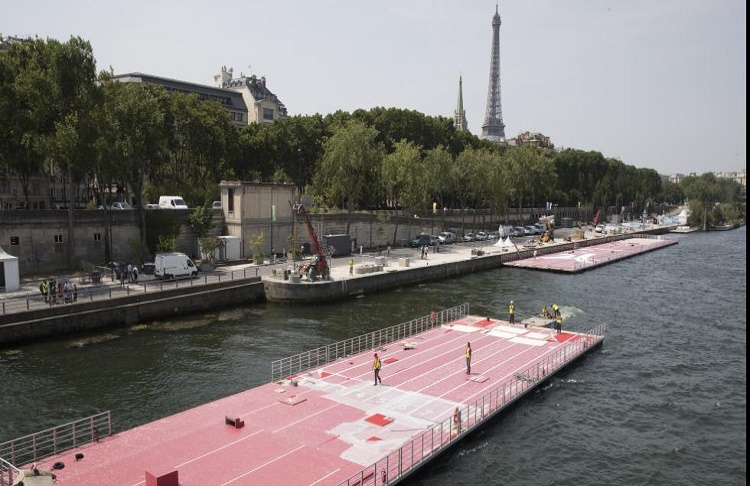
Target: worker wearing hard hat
{"points": [[512, 311]]}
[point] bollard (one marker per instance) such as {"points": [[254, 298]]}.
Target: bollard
{"points": [[205, 279], [27, 304], [3, 307]]}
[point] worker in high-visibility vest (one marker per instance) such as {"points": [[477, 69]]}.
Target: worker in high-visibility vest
{"points": [[376, 369], [468, 358], [512, 310], [558, 323]]}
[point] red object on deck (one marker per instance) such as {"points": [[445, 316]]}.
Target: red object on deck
{"points": [[164, 479]]}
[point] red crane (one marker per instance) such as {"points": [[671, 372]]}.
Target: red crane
{"points": [[596, 218], [318, 265]]}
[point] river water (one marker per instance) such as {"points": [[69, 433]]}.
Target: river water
{"points": [[663, 402]]}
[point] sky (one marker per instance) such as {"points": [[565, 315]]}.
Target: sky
{"points": [[657, 84]]}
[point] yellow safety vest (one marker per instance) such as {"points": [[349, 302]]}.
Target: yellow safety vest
{"points": [[468, 353], [376, 364], [512, 308]]}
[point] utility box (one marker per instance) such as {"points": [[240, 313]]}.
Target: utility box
{"points": [[228, 249], [340, 245]]}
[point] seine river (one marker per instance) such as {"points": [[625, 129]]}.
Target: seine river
{"points": [[663, 402]]}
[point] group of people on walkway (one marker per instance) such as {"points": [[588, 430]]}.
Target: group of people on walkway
{"points": [[58, 292]]}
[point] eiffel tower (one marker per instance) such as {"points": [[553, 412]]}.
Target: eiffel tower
{"points": [[493, 128]]}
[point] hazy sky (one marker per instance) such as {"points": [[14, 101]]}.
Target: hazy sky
{"points": [[654, 83]]}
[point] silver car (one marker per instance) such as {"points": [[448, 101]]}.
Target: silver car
{"points": [[446, 237]]}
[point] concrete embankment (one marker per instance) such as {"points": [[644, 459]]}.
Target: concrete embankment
{"points": [[442, 265], [91, 316]]}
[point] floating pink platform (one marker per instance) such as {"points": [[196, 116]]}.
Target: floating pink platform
{"points": [[586, 258], [323, 422]]}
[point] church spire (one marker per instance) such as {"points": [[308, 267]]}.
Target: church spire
{"points": [[459, 116]]}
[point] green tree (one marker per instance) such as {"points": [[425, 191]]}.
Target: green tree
{"points": [[350, 168], [399, 169], [135, 112]]}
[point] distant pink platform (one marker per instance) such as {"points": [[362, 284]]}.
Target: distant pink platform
{"points": [[331, 425], [586, 258]]}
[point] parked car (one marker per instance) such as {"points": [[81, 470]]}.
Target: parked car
{"points": [[481, 236], [152, 206], [424, 240], [117, 205], [493, 235], [469, 237], [517, 231], [446, 237], [529, 230]]}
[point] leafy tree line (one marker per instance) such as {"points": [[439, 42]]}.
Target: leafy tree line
{"points": [[59, 118]]}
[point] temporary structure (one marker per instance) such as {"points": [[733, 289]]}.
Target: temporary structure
{"points": [[9, 277]]}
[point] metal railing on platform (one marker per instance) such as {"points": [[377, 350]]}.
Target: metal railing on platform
{"points": [[116, 289], [31, 448], [417, 451], [288, 368], [8, 473]]}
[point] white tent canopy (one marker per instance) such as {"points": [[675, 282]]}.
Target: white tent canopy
{"points": [[9, 276], [504, 243]]}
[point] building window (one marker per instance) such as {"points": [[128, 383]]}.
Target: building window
{"points": [[97, 237], [268, 114], [14, 241], [230, 200], [58, 239]]}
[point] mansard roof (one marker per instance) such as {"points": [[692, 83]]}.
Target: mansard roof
{"points": [[226, 97], [257, 88]]}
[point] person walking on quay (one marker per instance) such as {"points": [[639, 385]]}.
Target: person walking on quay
{"points": [[376, 369], [512, 310], [75, 293], [558, 323], [468, 358], [44, 289], [351, 266], [53, 294], [135, 274]]}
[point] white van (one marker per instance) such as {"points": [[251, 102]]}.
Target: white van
{"points": [[172, 202], [173, 265]]}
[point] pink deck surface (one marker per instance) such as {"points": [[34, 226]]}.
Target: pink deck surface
{"points": [[330, 426], [592, 256]]}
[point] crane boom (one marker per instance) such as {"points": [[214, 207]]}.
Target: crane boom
{"points": [[320, 264]]}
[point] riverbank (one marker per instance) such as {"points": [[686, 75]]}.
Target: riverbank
{"points": [[233, 286]]}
